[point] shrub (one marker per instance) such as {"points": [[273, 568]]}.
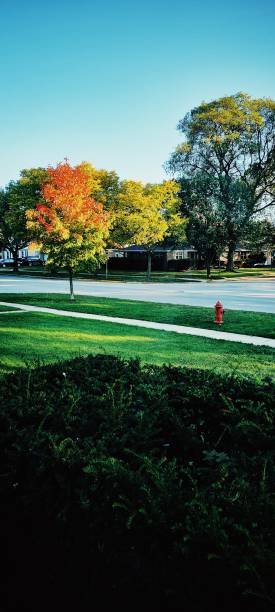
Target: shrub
{"points": [[143, 487]]}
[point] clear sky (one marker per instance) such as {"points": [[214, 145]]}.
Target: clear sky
{"points": [[107, 81]]}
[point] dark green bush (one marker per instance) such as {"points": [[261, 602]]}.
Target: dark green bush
{"points": [[138, 487]]}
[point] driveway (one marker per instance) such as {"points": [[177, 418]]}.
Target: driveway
{"points": [[258, 295]]}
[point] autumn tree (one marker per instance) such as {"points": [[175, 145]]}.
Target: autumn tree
{"points": [[233, 140], [145, 215], [15, 199], [70, 226]]}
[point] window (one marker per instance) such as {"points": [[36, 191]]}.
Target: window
{"points": [[179, 254]]}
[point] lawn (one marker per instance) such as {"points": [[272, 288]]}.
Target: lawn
{"points": [[6, 308], [216, 274], [160, 277], [242, 322], [29, 338], [238, 273]]}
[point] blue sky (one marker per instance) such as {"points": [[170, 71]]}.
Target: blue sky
{"points": [[107, 82]]}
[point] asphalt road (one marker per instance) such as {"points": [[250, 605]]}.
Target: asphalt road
{"points": [[257, 295]]}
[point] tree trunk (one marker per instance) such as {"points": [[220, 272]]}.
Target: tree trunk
{"points": [[71, 284], [106, 269], [15, 260], [230, 257], [165, 262], [149, 265], [199, 264], [208, 269]]}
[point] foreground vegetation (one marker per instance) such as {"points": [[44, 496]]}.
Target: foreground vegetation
{"points": [[241, 322], [142, 488], [30, 337]]}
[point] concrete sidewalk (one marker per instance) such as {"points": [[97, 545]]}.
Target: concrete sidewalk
{"points": [[179, 329]]}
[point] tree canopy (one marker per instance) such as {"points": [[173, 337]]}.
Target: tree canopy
{"points": [[146, 214], [233, 140], [206, 228], [70, 226], [18, 197]]}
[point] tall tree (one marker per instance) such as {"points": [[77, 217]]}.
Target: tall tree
{"points": [[206, 228], [18, 197], [145, 215], [233, 140], [70, 225]]}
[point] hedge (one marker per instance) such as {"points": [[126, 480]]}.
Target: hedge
{"points": [[137, 487]]}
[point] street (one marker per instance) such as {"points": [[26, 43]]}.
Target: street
{"points": [[258, 295]]}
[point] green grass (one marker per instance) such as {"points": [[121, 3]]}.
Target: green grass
{"points": [[242, 322], [6, 308], [160, 277], [216, 274], [237, 274], [188, 275], [31, 337]]}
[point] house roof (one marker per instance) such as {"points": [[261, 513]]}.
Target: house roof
{"points": [[141, 249]]}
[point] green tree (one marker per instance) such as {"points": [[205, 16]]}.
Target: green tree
{"points": [[206, 229], [145, 215], [18, 197], [233, 140], [260, 236], [138, 214]]}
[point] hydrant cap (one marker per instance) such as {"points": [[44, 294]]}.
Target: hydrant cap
{"points": [[219, 304]]}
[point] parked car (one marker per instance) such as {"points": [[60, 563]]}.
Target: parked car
{"points": [[7, 262], [32, 260]]}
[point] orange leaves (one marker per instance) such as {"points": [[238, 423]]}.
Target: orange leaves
{"points": [[68, 193], [69, 209], [45, 216]]}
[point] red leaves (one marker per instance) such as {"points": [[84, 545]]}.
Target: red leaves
{"points": [[44, 213], [69, 205], [68, 192]]}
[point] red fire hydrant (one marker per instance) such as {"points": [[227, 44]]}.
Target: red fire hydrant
{"points": [[219, 312]]}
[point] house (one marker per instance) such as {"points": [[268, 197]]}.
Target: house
{"points": [[163, 258], [25, 252], [240, 254]]}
